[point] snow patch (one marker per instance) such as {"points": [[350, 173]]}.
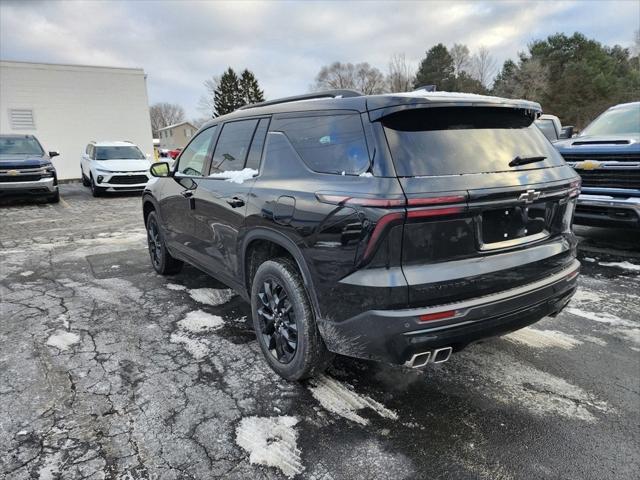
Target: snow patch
{"points": [[236, 176], [601, 317], [28, 273], [366, 174], [175, 286], [271, 441], [198, 349], [211, 296], [543, 338], [584, 295], [63, 340], [198, 321], [632, 267], [340, 399]]}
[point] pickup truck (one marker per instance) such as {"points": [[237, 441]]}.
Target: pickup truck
{"points": [[551, 128], [606, 155]]}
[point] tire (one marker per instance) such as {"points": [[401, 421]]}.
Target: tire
{"points": [[55, 198], [161, 259], [95, 191], [85, 180], [309, 356]]}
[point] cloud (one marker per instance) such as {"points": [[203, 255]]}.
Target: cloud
{"points": [[181, 44]]}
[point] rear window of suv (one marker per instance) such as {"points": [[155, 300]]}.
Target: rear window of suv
{"points": [[464, 140], [328, 143]]}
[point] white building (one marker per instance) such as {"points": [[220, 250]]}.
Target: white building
{"points": [[67, 106]]}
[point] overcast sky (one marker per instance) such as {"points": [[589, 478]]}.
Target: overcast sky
{"points": [[180, 44]]}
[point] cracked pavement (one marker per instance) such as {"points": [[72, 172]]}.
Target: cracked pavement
{"points": [[108, 370]]}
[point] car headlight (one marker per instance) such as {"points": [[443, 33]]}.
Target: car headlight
{"points": [[48, 171], [103, 171]]}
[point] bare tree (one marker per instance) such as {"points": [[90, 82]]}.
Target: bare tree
{"points": [[400, 76], [207, 101], [164, 114], [483, 66], [461, 58], [361, 76]]}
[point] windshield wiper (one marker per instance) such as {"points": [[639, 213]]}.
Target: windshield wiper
{"points": [[524, 160]]}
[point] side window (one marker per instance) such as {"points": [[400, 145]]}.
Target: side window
{"points": [[88, 149], [92, 152], [194, 157], [328, 143], [233, 146], [257, 145]]}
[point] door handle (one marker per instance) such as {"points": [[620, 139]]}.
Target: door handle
{"points": [[187, 194], [236, 202]]}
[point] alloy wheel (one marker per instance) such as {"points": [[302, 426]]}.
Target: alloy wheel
{"points": [[155, 243], [277, 320]]}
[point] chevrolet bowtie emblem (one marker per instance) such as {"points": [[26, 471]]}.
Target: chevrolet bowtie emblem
{"points": [[529, 196], [588, 165], [12, 172]]}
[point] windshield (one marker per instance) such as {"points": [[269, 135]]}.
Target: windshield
{"points": [[112, 153], [465, 140], [20, 146], [616, 121]]}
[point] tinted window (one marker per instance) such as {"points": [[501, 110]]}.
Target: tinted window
{"points": [[20, 146], [112, 153], [617, 121], [194, 157], [233, 146], [257, 145], [547, 128], [462, 140], [328, 143]]}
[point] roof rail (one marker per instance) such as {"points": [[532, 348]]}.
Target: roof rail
{"points": [[426, 88], [308, 96]]}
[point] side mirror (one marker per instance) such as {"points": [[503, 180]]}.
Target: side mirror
{"points": [[53, 154], [160, 169], [567, 132]]}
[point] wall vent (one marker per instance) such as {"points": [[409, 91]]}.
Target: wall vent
{"points": [[21, 119]]}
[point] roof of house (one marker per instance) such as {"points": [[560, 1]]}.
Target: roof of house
{"points": [[168, 127]]}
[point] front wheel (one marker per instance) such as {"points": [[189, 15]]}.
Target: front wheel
{"points": [[161, 259], [95, 190], [284, 322]]}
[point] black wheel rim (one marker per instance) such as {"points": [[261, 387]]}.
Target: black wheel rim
{"points": [[278, 327], [155, 243]]}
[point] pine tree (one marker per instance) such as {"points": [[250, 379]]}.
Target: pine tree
{"points": [[250, 89], [437, 69], [228, 95]]}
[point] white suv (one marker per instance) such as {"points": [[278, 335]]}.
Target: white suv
{"points": [[114, 167]]}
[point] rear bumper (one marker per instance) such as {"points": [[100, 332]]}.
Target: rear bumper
{"points": [[37, 187], [602, 210], [394, 336]]}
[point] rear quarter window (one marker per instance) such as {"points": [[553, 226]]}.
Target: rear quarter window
{"points": [[328, 143]]}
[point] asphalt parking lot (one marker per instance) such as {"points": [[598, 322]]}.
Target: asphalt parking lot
{"points": [[108, 370]]}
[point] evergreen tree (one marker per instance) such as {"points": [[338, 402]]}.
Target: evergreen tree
{"points": [[228, 96], [437, 68], [250, 89]]}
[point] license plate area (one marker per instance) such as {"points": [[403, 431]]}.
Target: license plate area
{"points": [[514, 225]]}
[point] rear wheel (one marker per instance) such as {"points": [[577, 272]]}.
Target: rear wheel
{"points": [[161, 259], [284, 322]]}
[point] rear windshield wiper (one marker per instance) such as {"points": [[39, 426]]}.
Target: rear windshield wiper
{"points": [[524, 160]]}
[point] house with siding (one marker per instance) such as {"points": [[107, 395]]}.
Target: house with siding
{"points": [[176, 136]]}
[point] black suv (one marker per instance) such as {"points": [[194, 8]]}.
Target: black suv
{"points": [[26, 169], [397, 228]]}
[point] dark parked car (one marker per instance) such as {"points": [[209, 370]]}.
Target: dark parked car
{"points": [[607, 156], [26, 169], [397, 228]]}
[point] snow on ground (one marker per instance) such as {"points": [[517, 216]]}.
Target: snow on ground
{"points": [[601, 317], [340, 399], [175, 287], [63, 340], [623, 265], [28, 273], [197, 348], [211, 296], [198, 321], [543, 338], [236, 176], [539, 392], [271, 441]]}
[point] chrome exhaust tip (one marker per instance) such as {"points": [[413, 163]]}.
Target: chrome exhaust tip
{"points": [[441, 355], [418, 360]]}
